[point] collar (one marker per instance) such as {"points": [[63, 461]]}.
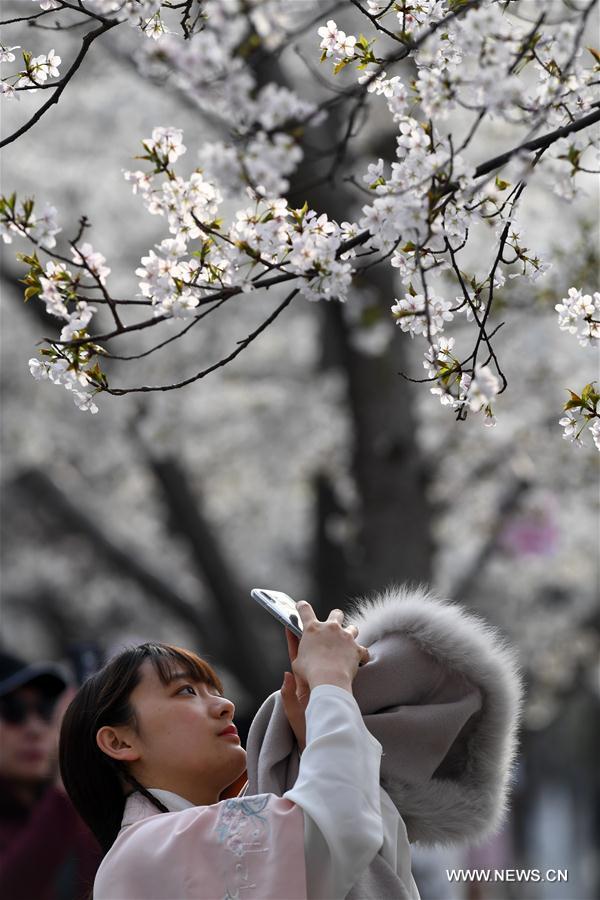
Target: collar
{"points": [[138, 807]]}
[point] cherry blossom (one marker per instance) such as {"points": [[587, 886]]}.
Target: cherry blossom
{"points": [[415, 314], [419, 207], [92, 261], [579, 314]]}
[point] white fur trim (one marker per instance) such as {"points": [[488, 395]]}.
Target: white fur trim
{"points": [[471, 807]]}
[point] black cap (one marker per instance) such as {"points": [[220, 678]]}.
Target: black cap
{"points": [[49, 677]]}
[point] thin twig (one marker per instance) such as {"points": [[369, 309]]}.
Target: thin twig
{"points": [[86, 43], [218, 365]]}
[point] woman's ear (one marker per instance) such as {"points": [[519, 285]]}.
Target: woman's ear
{"points": [[117, 743]]}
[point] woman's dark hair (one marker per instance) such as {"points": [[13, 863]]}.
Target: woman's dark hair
{"points": [[94, 781]]}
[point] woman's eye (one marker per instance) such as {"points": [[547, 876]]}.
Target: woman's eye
{"points": [[187, 687]]}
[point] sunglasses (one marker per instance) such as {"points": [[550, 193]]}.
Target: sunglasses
{"points": [[15, 710]]}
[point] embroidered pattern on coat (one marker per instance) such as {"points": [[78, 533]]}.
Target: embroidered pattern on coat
{"points": [[242, 829]]}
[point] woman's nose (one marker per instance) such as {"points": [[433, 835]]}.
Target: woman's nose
{"points": [[226, 707]]}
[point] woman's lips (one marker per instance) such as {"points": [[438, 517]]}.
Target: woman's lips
{"points": [[231, 731]]}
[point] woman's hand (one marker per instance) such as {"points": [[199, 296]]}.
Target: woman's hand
{"points": [[295, 691], [327, 652], [295, 695]]}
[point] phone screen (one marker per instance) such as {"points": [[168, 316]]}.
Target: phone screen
{"points": [[281, 606]]}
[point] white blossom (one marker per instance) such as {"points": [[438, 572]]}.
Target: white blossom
{"points": [[78, 321], [167, 142], [86, 256], [330, 37], [6, 53], [336, 42], [43, 228], [483, 388], [418, 316], [7, 90], [38, 369], [572, 426], [85, 402], [579, 314]]}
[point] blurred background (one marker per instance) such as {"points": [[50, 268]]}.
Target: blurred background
{"points": [[309, 465]]}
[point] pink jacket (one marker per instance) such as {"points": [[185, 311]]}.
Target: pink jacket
{"points": [[311, 844], [250, 847]]}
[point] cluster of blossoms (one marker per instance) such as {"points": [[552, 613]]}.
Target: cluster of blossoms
{"points": [[36, 72], [471, 63], [400, 218], [424, 201], [142, 14], [475, 63], [336, 42], [61, 372], [418, 315], [410, 15], [579, 314], [582, 412], [21, 219], [457, 389], [268, 235], [69, 365], [209, 68]]}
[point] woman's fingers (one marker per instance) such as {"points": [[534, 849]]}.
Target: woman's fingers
{"points": [[365, 656], [292, 643], [336, 615], [306, 612]]}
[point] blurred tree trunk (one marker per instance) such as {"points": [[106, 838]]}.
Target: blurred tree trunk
{"points": [[43, 492], [247, 654], [392, 538]]}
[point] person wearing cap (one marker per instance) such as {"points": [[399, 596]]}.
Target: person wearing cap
{"points": [[46, 851]]}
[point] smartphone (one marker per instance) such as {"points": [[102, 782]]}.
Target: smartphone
{"points": [[281, 606]]}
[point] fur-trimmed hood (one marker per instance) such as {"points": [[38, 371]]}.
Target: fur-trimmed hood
{"points": [[442, 694], [465, 798]]}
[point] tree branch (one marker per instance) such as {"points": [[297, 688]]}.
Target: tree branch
{"points": [[86, 43], [218, 365]]}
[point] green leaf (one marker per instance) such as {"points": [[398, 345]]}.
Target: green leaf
{"points": [[589, 395], [97, 374], [341, 65], [572, 404], [31, 292]]}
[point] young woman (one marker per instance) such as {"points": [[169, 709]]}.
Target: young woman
{"points": [[150, 757]]}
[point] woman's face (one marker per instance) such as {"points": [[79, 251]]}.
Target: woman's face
{"points": [[178, 742], [26, 746]]}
